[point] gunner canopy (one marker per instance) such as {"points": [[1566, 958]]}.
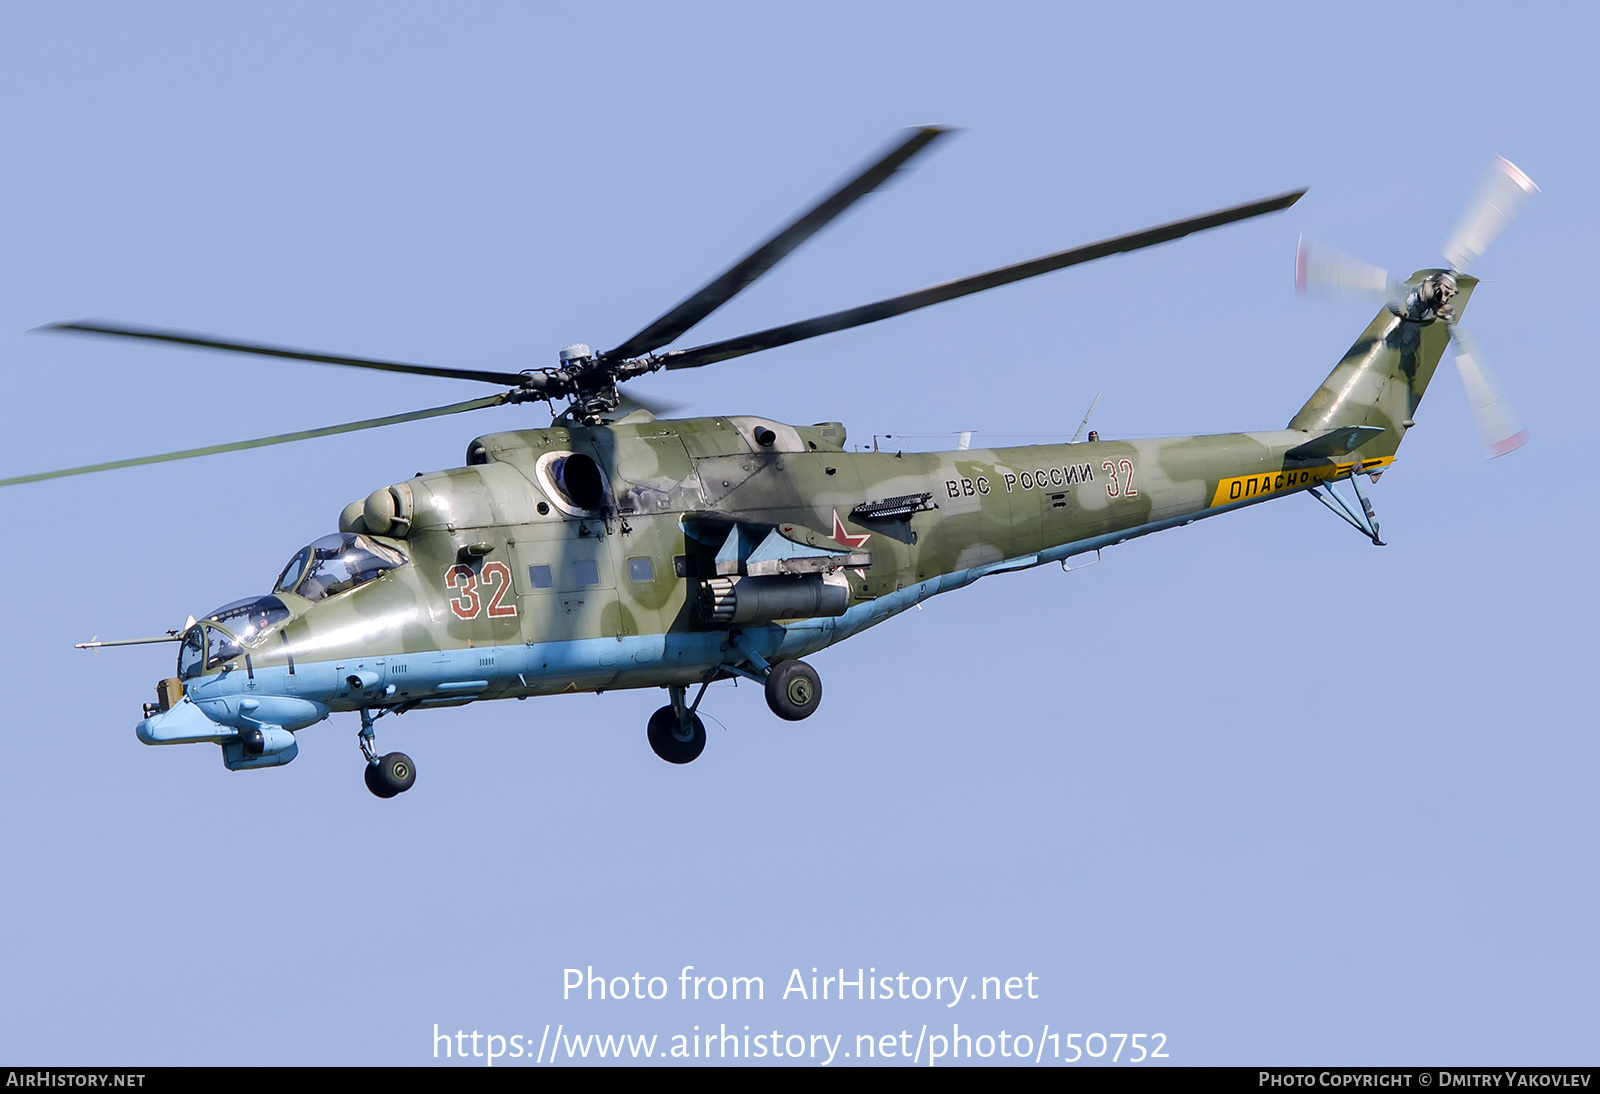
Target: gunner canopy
{"points": [[334, 564], [243, 623], [251, 617]]}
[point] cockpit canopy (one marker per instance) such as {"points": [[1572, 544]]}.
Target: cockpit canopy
{"points": [[239, 624], [250, 618], [336, 563], [331, 565]]}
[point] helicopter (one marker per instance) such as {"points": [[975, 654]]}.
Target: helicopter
{"points": [[617, 548]]}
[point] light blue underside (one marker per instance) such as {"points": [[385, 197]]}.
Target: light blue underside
{"points": [[217, 707]]}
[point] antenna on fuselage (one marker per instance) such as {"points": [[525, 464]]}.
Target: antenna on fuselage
{"points": [[1085, 423]]}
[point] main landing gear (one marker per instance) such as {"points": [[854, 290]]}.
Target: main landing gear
{"points": [[387, 775], [676, 732], [794, 691]]}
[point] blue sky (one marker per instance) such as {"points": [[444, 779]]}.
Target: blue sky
{"points": [[1252, 784]]}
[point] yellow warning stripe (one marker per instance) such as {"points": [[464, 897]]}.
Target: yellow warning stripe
{"points": [[1244, 487]]}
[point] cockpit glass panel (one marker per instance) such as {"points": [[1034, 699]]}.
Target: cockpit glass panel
{"points": [[250, 619], [221, 647], [335, 564], [192, 654], [293, 572]]}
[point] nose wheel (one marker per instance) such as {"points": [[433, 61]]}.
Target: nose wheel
{"points": [[387, 775], [392, 774]]}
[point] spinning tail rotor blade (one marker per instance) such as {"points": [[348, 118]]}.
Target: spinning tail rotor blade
{"points": [[1323, 270], [262, 442], [1497, 423], [1503, 192]]}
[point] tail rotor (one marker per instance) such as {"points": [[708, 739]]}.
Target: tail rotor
{"points": [[1505, 189], [1497, 423], [1326, 272], [1500, 197]]}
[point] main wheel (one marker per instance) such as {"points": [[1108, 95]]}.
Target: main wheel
{"points": [[794, 690], [672, 741], [392, 774]]}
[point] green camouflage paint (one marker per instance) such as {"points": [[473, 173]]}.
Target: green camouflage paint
{"points": [[628, 568]]}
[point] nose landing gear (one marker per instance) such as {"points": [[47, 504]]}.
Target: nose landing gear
{"points": [[392, 774], [387, 775]]}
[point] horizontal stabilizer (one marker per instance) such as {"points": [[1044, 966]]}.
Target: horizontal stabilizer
{"points": [[1335, 442]]}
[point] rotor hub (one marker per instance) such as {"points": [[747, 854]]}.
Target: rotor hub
{"points": [[1431, 299]]}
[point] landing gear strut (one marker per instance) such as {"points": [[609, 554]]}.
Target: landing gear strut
{"points": [[1365, 520], [794, 690], [389, 774], [676, 733]]}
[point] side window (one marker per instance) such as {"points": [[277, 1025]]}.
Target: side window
{"points": [[585, 572], [641, 570], [539, 577], [192, 654]]}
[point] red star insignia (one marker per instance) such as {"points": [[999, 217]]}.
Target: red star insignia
{"points": [[841, 536]]}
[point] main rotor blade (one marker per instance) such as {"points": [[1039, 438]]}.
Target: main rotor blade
{"points": [[211, 341], [950, 290], [734, 280], [261, 442], [1497, 423], [1500, 196]]}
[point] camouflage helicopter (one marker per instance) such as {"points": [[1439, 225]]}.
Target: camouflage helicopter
{"points": [[615, 549]]}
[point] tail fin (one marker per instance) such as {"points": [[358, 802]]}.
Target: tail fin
{"points": [[1380, 380]]}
